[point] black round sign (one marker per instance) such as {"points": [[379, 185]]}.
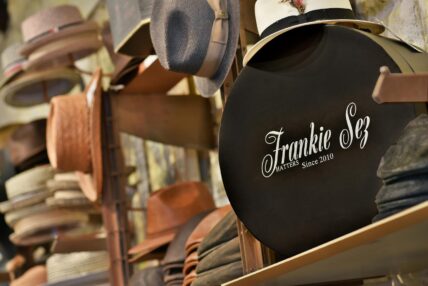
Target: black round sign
{"points": [[301, 137]]}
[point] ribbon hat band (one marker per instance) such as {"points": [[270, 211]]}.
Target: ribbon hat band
{"points": [[218, 41]]}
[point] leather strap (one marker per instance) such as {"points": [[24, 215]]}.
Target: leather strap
{"points": [[218, 42]]}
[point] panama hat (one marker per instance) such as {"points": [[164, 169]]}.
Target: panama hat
{"points": [[54, 36], [130, 26], [197, 37], [73, 136], [12, 63], [276, 17]]}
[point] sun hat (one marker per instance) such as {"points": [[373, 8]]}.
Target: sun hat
{"points": [[27, 141], [167, 210], [12, 63], [73, 134], [276, 17], [57, 30], [130, 22], [36, 87], [198, 38]]}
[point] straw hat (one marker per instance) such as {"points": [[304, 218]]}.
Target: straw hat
{"points": [[74, 132], [274, 18], [58, 36]]}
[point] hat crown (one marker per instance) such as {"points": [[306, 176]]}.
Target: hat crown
{"points": [[269, 12], [49, 20], [173, 206]]}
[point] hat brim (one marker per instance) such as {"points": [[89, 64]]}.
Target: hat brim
{"points": [[28, 48], [208, 86], [67, 77], [9, 78], [138, 42], [140, 251], [373, 27], [64, 53]]}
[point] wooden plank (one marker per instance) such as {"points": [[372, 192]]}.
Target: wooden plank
{"points": [[184, 121], [394, 245], [152, 78]]}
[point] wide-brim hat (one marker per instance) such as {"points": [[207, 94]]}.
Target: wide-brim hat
{"points": [[198, 38], [275, 18], [312, 78], [73, 134], [167, 210], [53, 24], [33, 88]]}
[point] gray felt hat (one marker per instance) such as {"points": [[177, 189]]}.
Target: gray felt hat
{"points": [[196, 37]]}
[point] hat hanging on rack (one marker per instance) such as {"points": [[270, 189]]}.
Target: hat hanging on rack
{"points": [[22, 89], [75, 145], [276, 17], [198, 38], [130, 26], [58, 36]]}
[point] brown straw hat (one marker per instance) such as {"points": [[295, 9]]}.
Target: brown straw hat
{"points": [[167, 210], [74, 132], [56, 24]]}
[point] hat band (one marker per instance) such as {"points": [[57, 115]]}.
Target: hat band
{"points": [[316, 15], [54, 30]]}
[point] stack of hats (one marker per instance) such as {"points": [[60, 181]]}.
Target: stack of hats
{"points": [[32, 219], [76, 267], [42, 67], [219, 254], [195, 239], [173, 263], [404, 170], [168, 210]]}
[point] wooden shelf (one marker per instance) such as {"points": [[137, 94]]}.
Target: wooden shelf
{"points": [[393, 245]]}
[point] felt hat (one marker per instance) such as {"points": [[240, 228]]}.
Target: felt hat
{"points": [[275, 18], [167, 210], [58, 36], [73, 134], [198, 38], [27, 141], [314, 80], [130, 26]]}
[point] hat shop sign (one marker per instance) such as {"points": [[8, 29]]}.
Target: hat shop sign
{"points": [[294, 154]]}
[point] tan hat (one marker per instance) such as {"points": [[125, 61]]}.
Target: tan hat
{"points": [[167, 210], [74, 132], [44, 31], [29, 181]]}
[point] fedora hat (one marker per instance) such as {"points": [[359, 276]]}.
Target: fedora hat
{"points": [[129, 23], [275, 18], [198, 38], [43, 32], [167, 210], [12, 63], [36, 87], [27, 141], [73, 134]]}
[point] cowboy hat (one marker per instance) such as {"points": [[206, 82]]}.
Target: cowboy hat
{"points": [[276, 17], [198, 38]]}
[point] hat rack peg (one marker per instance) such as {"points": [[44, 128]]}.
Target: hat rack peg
{"points": [[398, 87]]}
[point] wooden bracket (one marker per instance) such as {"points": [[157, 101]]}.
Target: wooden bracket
{"points": [[397, 87]]}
